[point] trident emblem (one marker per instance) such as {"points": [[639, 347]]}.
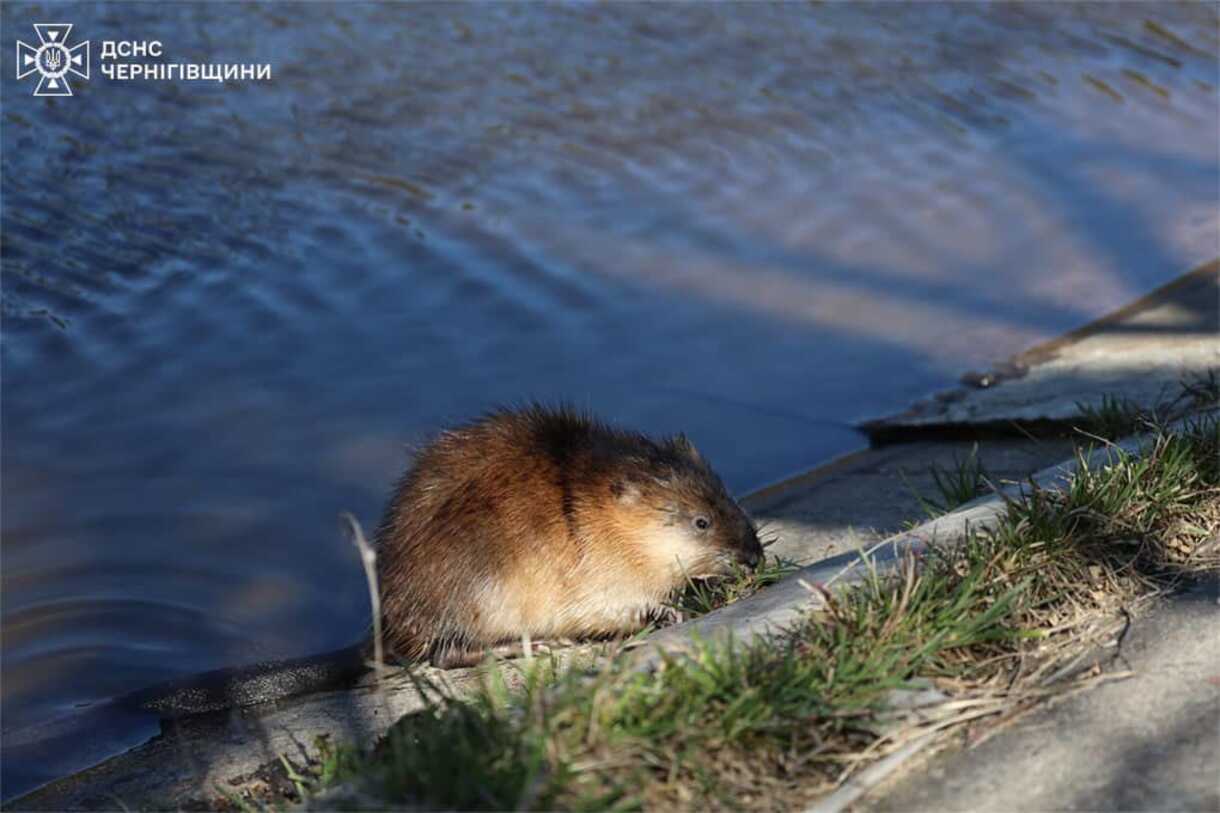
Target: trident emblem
{"points": [[53, 59]]}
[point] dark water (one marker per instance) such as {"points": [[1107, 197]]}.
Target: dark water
{"points": [[228, 308]]}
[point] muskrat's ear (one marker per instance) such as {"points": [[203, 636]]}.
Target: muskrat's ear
{"points": [[682, 444], [625, 491]]}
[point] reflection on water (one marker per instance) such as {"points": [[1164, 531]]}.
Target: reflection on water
{"points": [[228, 308]]}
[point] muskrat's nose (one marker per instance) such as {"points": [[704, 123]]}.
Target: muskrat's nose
{"points": [[752, 556]]}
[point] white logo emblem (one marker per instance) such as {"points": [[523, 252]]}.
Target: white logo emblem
{"points": [[53, 59]]}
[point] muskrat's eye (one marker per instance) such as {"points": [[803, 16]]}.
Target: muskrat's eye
{"points": [[702, 523]]}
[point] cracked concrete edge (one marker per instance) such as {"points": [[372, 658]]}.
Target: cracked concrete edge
{"points": [[1041, 387], [1040, 353]]}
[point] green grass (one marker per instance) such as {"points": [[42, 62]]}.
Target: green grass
{"points": [[701, 596], [1201, 391], [1116, 417], [1113, 418], [775, 723], [956, 485]]}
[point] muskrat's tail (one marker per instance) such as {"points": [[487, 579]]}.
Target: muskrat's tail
{"points": [[247, 685]]}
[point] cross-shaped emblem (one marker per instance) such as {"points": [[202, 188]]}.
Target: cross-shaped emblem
{"points": [[53, 59]]}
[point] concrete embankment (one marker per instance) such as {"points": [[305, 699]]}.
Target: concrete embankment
{"points": [[820, 519], [1150, 742]]}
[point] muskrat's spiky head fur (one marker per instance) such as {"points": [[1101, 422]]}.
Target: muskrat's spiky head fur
{"points": [[682, 514]]}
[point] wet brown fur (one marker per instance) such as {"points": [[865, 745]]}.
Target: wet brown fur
{"points": [[545, 522]]}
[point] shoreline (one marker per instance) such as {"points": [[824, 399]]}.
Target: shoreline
{"points": [[851, 501]]}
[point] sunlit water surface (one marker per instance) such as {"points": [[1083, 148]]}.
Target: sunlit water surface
{"points": [[228, 309]]}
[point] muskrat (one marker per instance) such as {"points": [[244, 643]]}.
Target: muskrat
{"points": [[549, 524], [537, 523]]}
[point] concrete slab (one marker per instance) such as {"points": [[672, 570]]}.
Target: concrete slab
{"points": [[196, 760], [1148, 743], [1139, 353], [193, 761], [868, 496]]}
